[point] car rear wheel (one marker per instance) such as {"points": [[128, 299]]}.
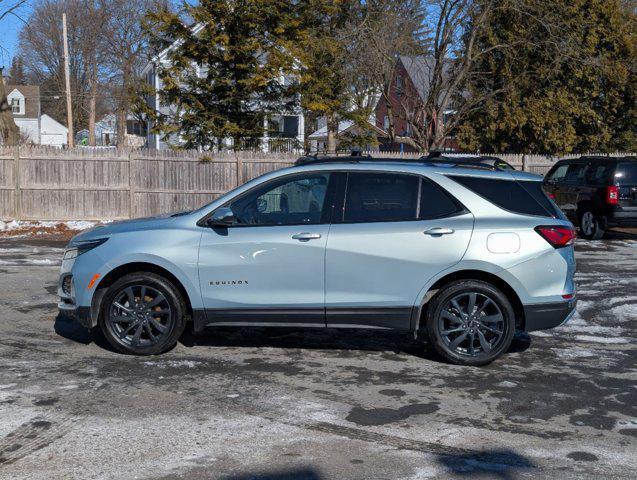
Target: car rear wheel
{"points": [[142, 314], [470, 322], [589, 225]]}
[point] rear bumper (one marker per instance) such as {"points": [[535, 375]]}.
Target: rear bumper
{"points": [[542, 316], [621, 218], [80, 314]]}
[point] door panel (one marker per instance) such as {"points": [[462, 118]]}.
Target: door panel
{"points": [[269, 266], [380, 254], [383, 266], [260, 268]]}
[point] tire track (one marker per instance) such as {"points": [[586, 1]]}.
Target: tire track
{"points": [[30, 437]]}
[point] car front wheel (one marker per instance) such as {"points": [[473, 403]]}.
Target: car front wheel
{"points": [[470, 322], [142, 314]]}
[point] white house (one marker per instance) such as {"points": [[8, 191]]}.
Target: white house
{"points": [[283, 131], [52, 132], [35, 127], [24, 101]]}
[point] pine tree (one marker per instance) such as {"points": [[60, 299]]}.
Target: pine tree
{"points": [[16, 74], [322, 50], [222, 76], [568, 83]]}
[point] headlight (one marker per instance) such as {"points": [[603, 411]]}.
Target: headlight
{"points": [[77, 249]]}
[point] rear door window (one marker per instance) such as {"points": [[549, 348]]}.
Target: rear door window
{"points": [[380, 197], [599, 173], [523, 197]]}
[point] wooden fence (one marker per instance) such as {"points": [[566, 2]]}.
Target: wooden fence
{"points": [[38, 183], [86, 184]]}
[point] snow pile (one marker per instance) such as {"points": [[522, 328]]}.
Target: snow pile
{"points": [[27, 228]]}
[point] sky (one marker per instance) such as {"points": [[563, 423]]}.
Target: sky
{"points": [[10, 27]]}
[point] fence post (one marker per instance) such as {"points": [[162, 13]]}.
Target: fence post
{"points": [[239, 168], [131, 186], [524, 163], [16, 174]]}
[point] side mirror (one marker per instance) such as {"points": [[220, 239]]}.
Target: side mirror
{"points": [[222, 217]]}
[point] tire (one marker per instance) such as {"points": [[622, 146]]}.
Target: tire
{"points": [[142, 314], [589, 225], [464, 339]]}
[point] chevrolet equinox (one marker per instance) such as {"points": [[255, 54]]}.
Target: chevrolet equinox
{"points": [[457, 253]]}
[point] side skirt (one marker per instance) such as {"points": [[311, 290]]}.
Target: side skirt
{"points": [[392, 318]]}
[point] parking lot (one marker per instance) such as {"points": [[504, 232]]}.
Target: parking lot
{"points": [[317, 404]]}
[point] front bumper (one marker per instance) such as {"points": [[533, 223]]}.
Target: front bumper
{"points": [[542, 316], [80, 314]]}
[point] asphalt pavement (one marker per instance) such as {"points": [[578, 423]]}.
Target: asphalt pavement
{"points": [[283, 404]]}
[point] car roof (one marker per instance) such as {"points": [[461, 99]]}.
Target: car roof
{"points": [[415, 166], [470, 160]]}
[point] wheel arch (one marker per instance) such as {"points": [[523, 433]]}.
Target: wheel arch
{"points": [[472, 274], [125, 269]]}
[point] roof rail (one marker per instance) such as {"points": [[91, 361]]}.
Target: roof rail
{"points": [[308, 159], [459, 162]]}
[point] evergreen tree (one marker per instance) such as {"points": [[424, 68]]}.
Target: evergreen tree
{"points": [[322, 50], [16, 74], [221, 77], [566, 85]]}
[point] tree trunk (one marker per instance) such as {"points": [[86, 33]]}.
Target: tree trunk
{"points": [[121, 126], [91, 104], [9, 131], [91, 116], [332, 131]]}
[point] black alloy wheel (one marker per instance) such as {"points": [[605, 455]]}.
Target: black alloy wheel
{"points": [[470, 322], [143, 314]]}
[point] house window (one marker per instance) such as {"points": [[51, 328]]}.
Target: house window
{"points": [[400, 85], [15, 105], [386, 123]]}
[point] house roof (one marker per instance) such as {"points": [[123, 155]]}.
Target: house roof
{"points": [[345, 126], [31, 95], [420, 70]]}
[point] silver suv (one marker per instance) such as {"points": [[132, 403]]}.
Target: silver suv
{"points": [[459, 254]]}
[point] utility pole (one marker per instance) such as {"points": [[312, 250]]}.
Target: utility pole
{"points": [[69, 112]]}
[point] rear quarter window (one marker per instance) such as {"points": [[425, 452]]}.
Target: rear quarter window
{"points": [[626, 173], [523, 197]]}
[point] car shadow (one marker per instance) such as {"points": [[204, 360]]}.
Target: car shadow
{"points": [[326, 339], [307, 338], [294, 474], [71, 329], [623, 234], [503, 464], [281, 337]]}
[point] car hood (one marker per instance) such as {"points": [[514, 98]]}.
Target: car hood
{"points": [[138, 224]]}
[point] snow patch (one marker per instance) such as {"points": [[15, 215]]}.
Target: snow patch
{"points": [[613, 340], [174, 364]]}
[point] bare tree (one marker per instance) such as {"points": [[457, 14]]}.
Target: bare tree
{"points": [[126, 52], [9, 132], [442, 74], [42, 50], [387, 30]]}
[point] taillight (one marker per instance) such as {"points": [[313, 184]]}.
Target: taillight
{"points": [[551, 196], [558, 237], [612, 195]]}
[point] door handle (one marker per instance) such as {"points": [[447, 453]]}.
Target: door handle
{"points": [[306, 236], [439, 231]]}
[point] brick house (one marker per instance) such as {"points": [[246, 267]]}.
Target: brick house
{"points": [[409, 87]]}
